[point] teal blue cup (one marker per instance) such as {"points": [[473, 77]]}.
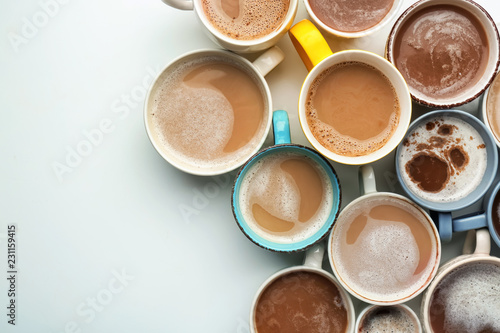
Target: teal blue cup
{"points": [[267, 230], [480, 168]]}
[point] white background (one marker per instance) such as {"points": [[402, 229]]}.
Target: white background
{"points": [[102, 243]]}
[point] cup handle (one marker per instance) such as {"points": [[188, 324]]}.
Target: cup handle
{"points": [[281, 127], [314, 255], [180, 4], [444, 223], [468, 222], [268, 60], [366, 177], [309, 43], [482, 242]]}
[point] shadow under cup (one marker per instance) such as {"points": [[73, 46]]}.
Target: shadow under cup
{"points": [[319, 225]]}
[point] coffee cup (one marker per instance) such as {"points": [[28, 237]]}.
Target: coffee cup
{"points": [[354, 106], [489, 218], [465, 294], [286, 197], [392, 318], [490, 109], [242, 26], [384, 249], [352, 19], [447, 51], [304, 298], [447, 161], [198, 122]]}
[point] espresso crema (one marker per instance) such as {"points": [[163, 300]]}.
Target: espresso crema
{"points": [[441, 51]]}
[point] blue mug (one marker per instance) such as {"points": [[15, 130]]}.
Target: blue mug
{"points": [[272, 236]]}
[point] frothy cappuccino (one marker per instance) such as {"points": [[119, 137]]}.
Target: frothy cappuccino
{"points": [[385, 319]]}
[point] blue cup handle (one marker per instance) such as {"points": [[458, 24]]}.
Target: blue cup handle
{"points": [[447, 225], [281, 127], [444, 224]]}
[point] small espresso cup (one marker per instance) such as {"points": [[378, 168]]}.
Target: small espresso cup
{"points": [[242, 26], [354, 106], [392, 318], [303, 298], [286, 198], [198, 122], [490, 109], [465, 294], [447, 50], [384, 249], [489, 218], [447, 161], [352, 19]]}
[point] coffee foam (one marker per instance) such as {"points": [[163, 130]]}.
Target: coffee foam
{"points": [[382, 262], [254, 19], [266, 184], [203, 119], [388, 319], [470, 298], [461, 182]]}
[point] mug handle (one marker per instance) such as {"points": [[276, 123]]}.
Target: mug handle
{"points": [[366, 177], [444, 223], [180, 4], [268, 60], [482, 242], [309, 43], [281, 127], [314, 255]]}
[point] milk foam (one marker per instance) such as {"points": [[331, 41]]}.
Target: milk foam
{"points": [[382, 262], [392, 319], [269, 186], [462, 182], [470, 296]]}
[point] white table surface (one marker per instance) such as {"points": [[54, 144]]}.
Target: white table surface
{"points": [[102, 243]]}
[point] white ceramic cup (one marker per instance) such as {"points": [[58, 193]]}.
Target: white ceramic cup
{"points": [[476, 250], [312, 264], [372, 314], [359, 7], [385, 264], [233, 44], [445, 46], [256, 70]]}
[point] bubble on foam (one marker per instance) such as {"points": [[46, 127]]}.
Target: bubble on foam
{"points": [[266, 184], [461, 182], [471, 298], [382, 261], [256, 19]]}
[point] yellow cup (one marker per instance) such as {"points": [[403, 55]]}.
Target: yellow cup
{"points": [[318, 58]]}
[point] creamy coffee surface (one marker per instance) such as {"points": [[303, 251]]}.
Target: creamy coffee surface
{"points": [[301, 302], [383, 248], [467, 300], [352, 109], [493, 107], [351, 16], [441, 51], [209, 112], [387, 319], [443, 159], [286, 197], [246, 19]]}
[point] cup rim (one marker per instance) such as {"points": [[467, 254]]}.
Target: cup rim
{"points": [[302, 245], [351, 313], [402, 93], [489, 214], [431, 275], [472, 93], [356, 34], [487, 179], [484, 108], [287, 22], [259, 79], [370, 308], [444, 270]]}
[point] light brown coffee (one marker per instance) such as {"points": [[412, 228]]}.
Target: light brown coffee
{"points": [[301, 302], [209, 112], [246, 19], [467, 300], [351, 16], [286, 197], [352, 109], [493, 107], [384, 248], [441, 51], [385, 319]]}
